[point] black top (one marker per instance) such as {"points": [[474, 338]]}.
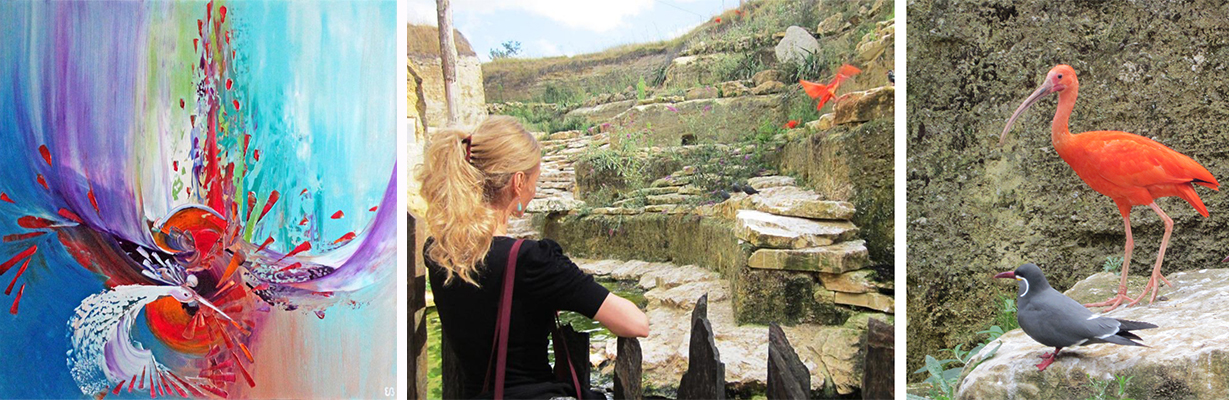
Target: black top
{"points": [[546, 281]]}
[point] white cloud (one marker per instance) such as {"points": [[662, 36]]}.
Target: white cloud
{"points": [[597, 16], [548, 49]]}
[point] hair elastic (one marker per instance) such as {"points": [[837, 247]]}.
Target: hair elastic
{"points": [[469, 141]]}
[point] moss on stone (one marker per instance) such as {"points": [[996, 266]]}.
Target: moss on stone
{"points": [[682, 239]]}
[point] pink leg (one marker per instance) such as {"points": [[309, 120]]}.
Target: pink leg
{"points": [[1117, 299], [1154, 282], [1047, 359]]}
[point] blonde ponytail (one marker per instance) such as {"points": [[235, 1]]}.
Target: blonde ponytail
{"points": [[462, 194]]}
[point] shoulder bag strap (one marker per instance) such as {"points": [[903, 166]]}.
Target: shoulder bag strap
{"points": [[559, 339], [499, 345]]}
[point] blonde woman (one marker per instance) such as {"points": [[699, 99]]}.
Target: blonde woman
{"points": [[473, 182]]}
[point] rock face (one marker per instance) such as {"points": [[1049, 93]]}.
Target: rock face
{"points": [[1185, 357], [601, 112], [864, 106], [990, 208], [721, 120], [423, 53], [796, 45], [777, 231]]}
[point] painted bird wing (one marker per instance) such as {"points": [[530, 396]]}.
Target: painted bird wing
{"points": [[1131, 160]]}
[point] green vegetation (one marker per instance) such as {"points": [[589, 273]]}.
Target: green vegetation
{"points": [[943, 379], [545, 118], [1112, 263], [1099, 387]]}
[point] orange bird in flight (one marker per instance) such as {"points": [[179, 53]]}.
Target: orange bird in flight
{"points": [[827, 92], [1131, 169]]}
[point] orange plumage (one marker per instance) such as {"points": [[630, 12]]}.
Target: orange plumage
{"points": [[827, 92], [1130, 169]]}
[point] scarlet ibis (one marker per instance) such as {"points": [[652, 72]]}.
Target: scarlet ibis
{"points": [[1130, 169], [827, 92]]}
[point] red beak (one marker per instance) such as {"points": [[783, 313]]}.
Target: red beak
{"points": [[1008, 274]]}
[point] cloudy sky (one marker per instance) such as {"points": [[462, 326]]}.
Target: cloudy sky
{"points": [[568, 27]]}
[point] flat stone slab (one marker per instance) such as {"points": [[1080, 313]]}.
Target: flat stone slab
{"points": [[667, 199], [766, 230], [683, 297], [671, 277], [850, 282], [1185, 358], [764, 182], [874, 301], [832, 259], [798, 202]]}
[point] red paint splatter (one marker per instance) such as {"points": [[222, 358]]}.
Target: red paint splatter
{"points": [[192, 119], [373, 208], [246, 376], [263, 286], [5, 197], [46, 153], [303, 192], [236, 102], [251, 205], [303, 222], [256, 154], [338, 215], [18, 299], [13, 261], [265, 244], [290, 267], [22, 236], [223, 13], [32, 222], [181, 103], [269, 205], [142, 385], [229, 83], [200, 27], [345, 238], [175, 165], [42, 181], [93, 200], [297, 249], [132, 382], [194, 43], [72, 216], [19, 272], [117, 387]]}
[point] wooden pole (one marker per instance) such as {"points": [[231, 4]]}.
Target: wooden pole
{"points": [[448, 58]]}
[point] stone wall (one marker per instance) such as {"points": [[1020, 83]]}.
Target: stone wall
{"points": [[1151, 67], [424, 60]]}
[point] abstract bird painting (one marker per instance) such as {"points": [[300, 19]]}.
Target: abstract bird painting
{"points": [[1128, 168], [197, 199]]}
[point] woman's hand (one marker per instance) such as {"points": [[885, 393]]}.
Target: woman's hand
{"points": [[622, 317]]}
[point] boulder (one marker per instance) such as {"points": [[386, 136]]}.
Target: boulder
{"points": [[850, 282], [703, 92], [1185, 358], [864, 106], [768, 75], [732, 89], [833, 24], [796, 45]]}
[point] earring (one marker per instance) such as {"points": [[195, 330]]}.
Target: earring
{"points": [[518, 207]]}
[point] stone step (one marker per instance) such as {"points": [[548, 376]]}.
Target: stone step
{"points": [[784, 232], [797, 202], [875, 301], [764, 182], [683, 297], [667, 199], [671, 277], [832, 259]]}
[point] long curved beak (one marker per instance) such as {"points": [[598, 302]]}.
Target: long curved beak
{"points": [[1008, 274], [1046, 88]]}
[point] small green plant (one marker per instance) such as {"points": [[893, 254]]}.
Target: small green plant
{"points": [[1099, 387], [641, 89], [1007, 314], [1112, 263], [943, 379]]}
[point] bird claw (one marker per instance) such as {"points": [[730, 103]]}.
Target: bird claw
{"points": [[1154, 285], [1112, 302]]}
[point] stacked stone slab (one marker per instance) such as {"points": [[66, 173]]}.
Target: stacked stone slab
{"points": [[557, 179], [807, 264]]}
